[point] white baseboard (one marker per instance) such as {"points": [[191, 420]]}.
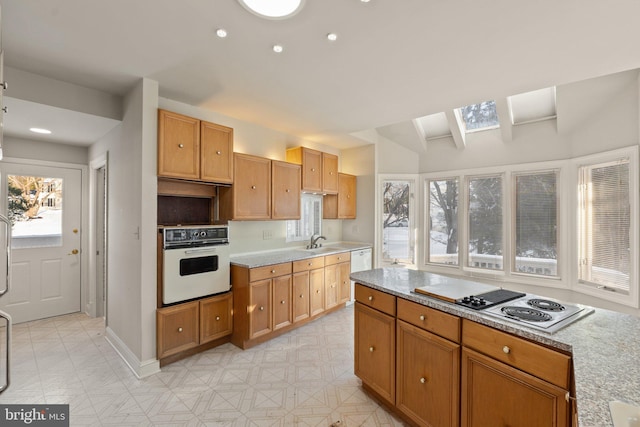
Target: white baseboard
{"points": [[139, 369]]}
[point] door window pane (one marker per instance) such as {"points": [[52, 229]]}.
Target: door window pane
{"points": [[485, 222], [443, 221], [35, 211], [536, 224], [397, 242]]}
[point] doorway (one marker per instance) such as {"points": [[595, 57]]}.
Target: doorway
{"points": [[44, 205]]}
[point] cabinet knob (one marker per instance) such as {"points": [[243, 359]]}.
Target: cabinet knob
{"points": [[371, 349], [331, 173], [261, 308], [339, 258], [370, 297], [423, 380], [218, 152], [217, 317], [273, 272], [310, 264], [333, 286], [301, 295], [422, 317], [253, 187], [287, 190], [180, 145], [318, 291], [506, 349], [282, 302], [179, 329], [313, 169]]}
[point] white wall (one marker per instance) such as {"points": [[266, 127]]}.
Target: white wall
{"points": [[361, 161], [46, 151]]}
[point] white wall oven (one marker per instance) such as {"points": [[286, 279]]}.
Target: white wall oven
{"points": [[195, 262]]}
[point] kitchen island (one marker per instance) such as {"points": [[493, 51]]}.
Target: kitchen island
{"points": [[604, 346]]}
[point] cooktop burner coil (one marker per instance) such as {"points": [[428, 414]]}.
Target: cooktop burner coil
{"points": [[546, 305], [525, 313]]}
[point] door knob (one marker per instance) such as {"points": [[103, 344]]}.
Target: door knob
{"points": [[74, 252]]}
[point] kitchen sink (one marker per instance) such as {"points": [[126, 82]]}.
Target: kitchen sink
{"points": [[325, 249]]}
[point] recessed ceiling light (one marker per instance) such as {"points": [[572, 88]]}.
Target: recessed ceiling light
{"points": [[365, 1], [40, 130], [221, 32], [277, 48], [332, 37], [273, 9]]}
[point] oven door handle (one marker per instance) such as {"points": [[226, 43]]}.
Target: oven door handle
{"points": [[202, 250]]}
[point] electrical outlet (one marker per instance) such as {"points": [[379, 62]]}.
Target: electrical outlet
{"points": [[267, 234]]}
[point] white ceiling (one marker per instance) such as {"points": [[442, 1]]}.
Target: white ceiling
{"points": [[393, 61]]}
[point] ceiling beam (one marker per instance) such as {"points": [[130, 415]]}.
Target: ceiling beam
{"points": [[457, 129], [504, 115]]}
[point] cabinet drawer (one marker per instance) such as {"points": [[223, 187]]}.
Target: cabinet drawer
{"points": [[376, 299], [527, 356], [337, 258], [269, 271], [308, 264], [438, 322]]}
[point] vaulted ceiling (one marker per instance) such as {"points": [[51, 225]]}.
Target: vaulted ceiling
{"points": [[393, 61]]}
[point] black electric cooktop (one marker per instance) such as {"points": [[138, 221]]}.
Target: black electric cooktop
{"points": [[489, 299]]}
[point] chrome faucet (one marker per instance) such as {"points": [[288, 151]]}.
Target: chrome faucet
{"points": [[314, 241]]}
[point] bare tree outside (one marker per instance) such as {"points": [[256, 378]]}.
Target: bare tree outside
{"points": [[397, 242]]}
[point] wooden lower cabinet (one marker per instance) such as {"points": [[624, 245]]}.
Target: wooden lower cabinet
{"points": [[282, 311], [216, 318], [301, 296], [317, 290], [177, 328], [331, 289], [496, 394], [375, 340], [344, 282], [260, 308], [427, 377]]}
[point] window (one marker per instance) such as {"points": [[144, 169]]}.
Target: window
{"points": [[605, 224], [485, 222], [536, 223], [443, 221], [397, 221], [482, 116], [310, 221]]}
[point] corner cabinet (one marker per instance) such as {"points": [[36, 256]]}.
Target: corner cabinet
{"points": [[194, 150]]}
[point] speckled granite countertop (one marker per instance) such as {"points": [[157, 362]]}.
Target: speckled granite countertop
{"points": [[260, 259], [605, 345]]}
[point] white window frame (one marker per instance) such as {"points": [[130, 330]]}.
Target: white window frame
{"points": [[426, 192], [297, 224], [632, 299]]}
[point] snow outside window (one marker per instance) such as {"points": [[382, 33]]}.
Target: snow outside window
{"points": [[443, 221], [485, 222]]}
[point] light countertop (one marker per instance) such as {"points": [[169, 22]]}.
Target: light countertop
{"points": [[260, 259], [605, 345]]}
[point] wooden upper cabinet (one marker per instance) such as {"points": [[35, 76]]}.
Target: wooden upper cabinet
{"points": [[285, 190], [251, 187], [192, 149], [343, 204], [329, 173], [216, 153], [178, 146], [311, 161]]}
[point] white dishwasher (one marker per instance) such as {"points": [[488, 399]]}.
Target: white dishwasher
{"points": [[360, 261]]}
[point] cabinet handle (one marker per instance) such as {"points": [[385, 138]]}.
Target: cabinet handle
{"points": [[253, 187], [371, 349], [423, 380], [217, 317], [179, 329], [506, 349], [261, 308], [370, 297], [180, 145], [422, 317], [218, 152], [282, 302]]}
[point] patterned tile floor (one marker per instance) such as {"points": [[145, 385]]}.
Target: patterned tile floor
{"points": [[303, 378]]}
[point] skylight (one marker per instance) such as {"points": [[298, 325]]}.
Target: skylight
{"points": [[533, 106], [482, 116], [434, 126]]}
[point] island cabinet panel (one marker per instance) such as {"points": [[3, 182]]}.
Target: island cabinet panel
{"points": [[428, 377], [544, 363], [438, 322], [375, 337], [376, 299], [496, 394], [216, 153]]}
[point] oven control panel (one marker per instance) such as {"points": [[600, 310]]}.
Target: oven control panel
{"points": [[195, 236]]}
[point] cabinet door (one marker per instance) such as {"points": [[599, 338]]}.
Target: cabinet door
{"points": [[216, 153], [316, 285], [260, 308], [282, 315], [329, 173], [427, 377], [300, 296], [215, 317], [251, 187], [285, 190], [311, 170], [178, 146], [344, 282], [331, 285], [346, 196], [177, 328], [495, 394], [375, 350]]}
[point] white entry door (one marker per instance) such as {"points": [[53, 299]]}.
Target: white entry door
{"points": [[44, 206]]}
